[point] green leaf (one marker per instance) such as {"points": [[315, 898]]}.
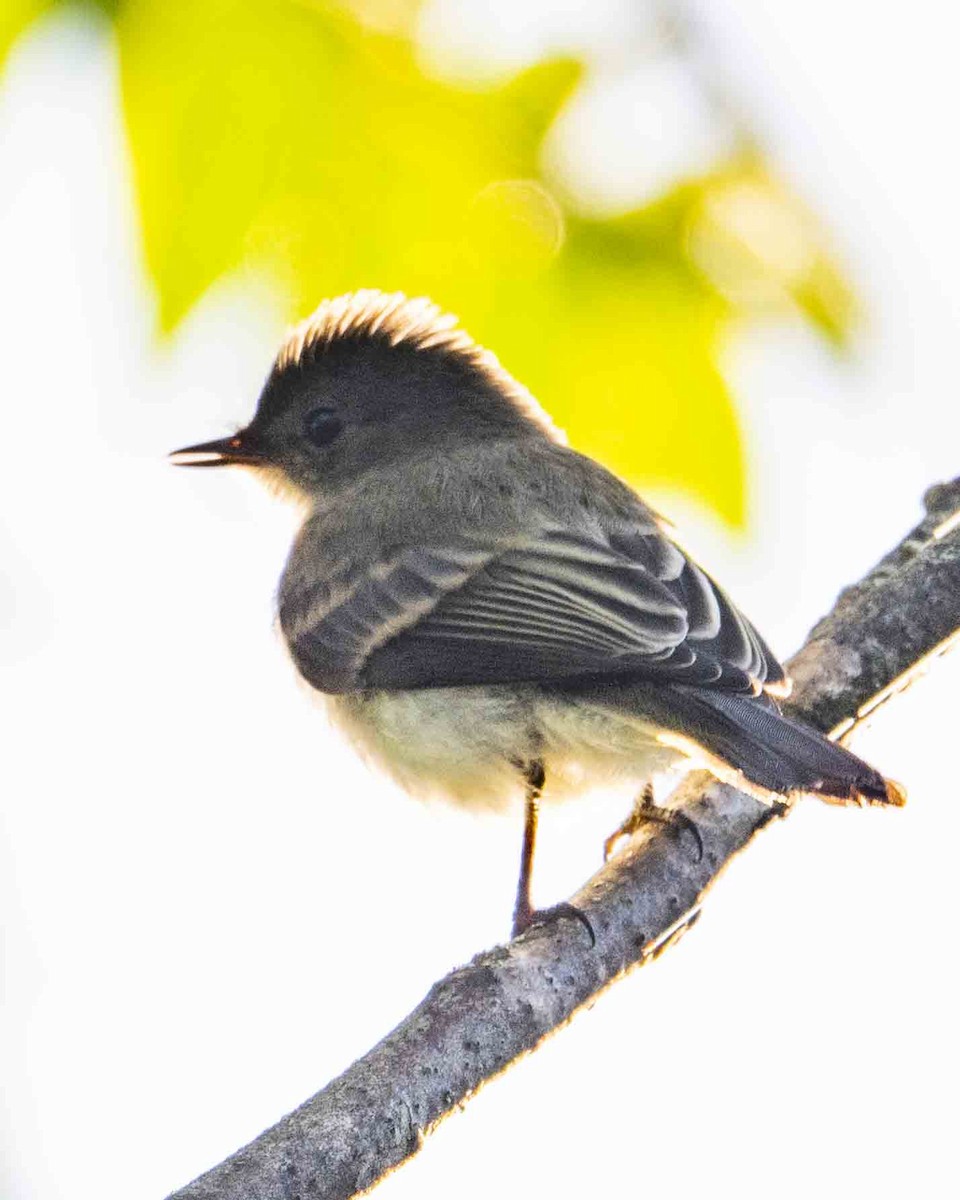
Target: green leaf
{"points": [[284, 131], [757, 245], [15, 17]]}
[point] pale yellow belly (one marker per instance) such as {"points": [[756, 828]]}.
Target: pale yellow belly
{"points": [[462, 744]]}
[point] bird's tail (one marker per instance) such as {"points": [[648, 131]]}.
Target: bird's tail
{"points": [[777, 754], [774, 752]]}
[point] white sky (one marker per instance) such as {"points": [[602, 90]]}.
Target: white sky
{"points": [[210, 908]]}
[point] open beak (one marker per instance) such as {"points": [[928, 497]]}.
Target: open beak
{"points": [[221, 453]]}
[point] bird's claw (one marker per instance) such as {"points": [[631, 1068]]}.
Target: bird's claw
{"points": [[556, 912], [646, 809]]}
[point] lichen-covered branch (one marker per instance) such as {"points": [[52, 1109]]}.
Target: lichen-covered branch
{"points": [[482, 1017]]}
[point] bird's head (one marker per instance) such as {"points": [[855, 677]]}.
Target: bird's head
{"points": [[372, 379]]}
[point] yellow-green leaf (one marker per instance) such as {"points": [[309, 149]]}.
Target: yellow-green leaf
{"points": [[15, 16]]}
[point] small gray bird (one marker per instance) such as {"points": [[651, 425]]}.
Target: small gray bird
{"points": [[490, 613]]}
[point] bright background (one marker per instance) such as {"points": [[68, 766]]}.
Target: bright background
{"points": [[210, 908]]}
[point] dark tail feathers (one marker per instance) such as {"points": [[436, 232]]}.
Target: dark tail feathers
{"points": [[776, 753]]}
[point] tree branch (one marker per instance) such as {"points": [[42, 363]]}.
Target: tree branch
{"points": [[483, 1016]]}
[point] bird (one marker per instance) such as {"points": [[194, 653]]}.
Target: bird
{"points": [[492, 617]]}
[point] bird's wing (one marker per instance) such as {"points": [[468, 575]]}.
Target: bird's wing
{"points": [[554, 604]]}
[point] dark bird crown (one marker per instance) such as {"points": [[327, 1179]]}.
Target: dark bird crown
{"points": [[378, 320]]}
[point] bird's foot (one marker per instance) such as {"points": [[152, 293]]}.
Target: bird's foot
{"points": [[646, 809], [525, 918]]}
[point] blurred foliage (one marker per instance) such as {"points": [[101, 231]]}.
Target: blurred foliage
{"points": [[15, 15], [293, 134]]}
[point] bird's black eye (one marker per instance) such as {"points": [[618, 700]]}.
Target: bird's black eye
{"points": [[322, 425]]}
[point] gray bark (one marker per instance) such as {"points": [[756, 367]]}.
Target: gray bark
{"points": [[483, 1016]]}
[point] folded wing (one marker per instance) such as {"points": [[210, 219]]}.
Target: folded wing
{"points": [[555, 604]]}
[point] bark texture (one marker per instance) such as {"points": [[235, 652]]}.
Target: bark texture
{"points": [[483, 1016]]}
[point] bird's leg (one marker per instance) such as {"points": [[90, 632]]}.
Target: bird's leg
{"points": [[524, 914], [523, 910], [646, 809]]}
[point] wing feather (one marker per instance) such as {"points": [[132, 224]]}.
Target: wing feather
{"points": [[558, 604]]}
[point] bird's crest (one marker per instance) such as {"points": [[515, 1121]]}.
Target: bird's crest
{"points": [[390, 319]]}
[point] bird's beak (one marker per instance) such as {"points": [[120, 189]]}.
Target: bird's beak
{"points": [[220, 453]]}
